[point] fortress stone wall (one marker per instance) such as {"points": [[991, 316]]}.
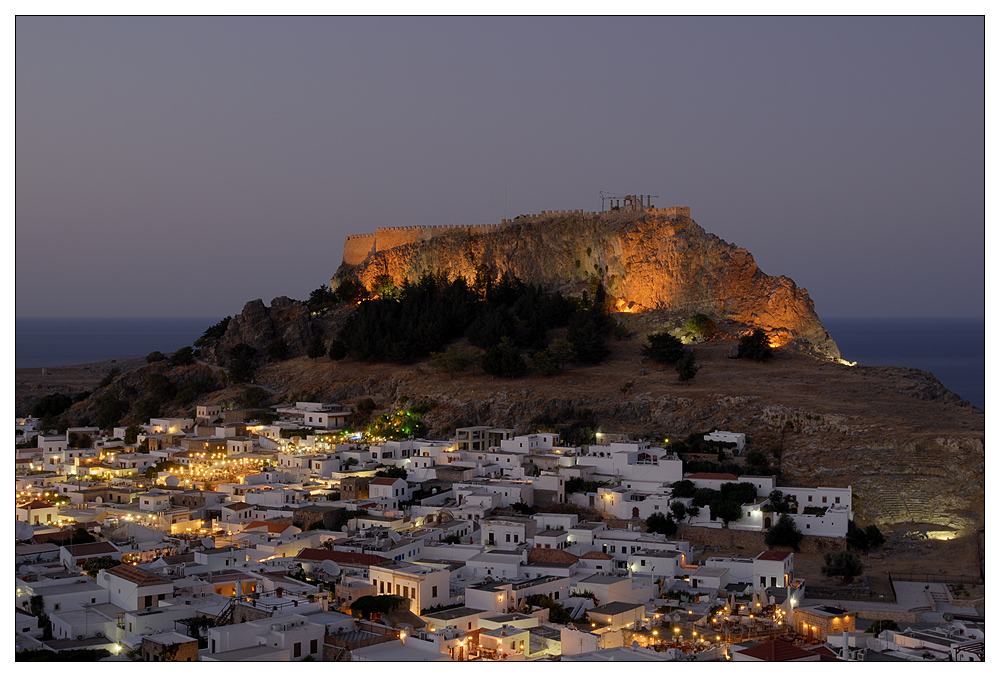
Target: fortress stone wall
{"points": [[358, 247]]}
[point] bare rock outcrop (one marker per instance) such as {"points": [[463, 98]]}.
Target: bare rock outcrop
{"points": [[647, 261], [259, 325]]}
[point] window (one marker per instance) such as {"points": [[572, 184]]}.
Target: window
{"points": [[381, 587], [434, 591], [810, 499], [824, 499], [313, 646], [515, 538], [508, 538], [642, 562], [836, 499]]}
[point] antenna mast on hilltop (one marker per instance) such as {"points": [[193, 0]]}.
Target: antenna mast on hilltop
{"points": [[626, 202]]}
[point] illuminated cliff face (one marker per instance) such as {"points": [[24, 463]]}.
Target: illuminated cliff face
{"points": [[649, 261]]}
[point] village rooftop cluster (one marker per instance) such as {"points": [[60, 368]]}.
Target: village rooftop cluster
{"points": [[219, 539]]}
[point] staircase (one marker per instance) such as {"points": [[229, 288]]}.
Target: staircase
{"points": [[225, 616]]}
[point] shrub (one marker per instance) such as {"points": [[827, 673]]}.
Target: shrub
{"points": [[182, 357], [755, 345], [316, 347], [155, 356], [216, 331], [784, 532], [702, 325], [241, 362], [686, 367], [845, 565], [453, 360], [51, 405], [254, 398], [108, 378], [338, 350], [503, 360], [658, 523], [277, 349], [882, 625], [663, 348]]}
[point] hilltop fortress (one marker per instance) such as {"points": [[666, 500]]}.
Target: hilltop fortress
{"points": [[357, 248], [648, 258]]}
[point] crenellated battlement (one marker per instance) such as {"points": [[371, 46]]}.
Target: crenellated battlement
{"points": [[357, 248]]}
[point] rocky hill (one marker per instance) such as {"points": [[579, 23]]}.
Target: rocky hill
{"points": [[646, 260]]}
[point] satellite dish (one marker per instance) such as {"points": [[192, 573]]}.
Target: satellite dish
{"points": [[331, 567], [172, 481], [208, 542], [345, 529], [98, 499], [635, 644], [23, 569], [23, 531], [394, 537]]}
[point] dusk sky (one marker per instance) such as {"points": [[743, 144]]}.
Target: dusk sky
{"points": [[183, 166]]}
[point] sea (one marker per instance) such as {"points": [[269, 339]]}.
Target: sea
{"points": [[61, 341], [952, 349]]}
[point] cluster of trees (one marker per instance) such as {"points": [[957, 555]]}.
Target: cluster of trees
{"points": [[371, 607], [784, 532], [666, 348], [725, 503], [863, 539], [578, 484], [215, 332], [658, 523], [845, 565], [502, 318], [695, 443], [575, 426], [557, 612], [324, 298], [391, 471]]}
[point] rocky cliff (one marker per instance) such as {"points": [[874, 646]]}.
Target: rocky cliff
{"points": [[259, 325], [647, 261]]}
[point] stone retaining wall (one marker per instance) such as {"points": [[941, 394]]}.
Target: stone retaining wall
{"points": [[752, 541]]}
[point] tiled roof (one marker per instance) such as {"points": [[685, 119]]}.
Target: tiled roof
{"points": [[136, 575], [385, 481], [62, 535], [88, 549], [711, 476], [774, 555], [596, 554], [349, 558], [272, 527], [552, 556], [237, 506], [777, 650], [36, 504]]}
